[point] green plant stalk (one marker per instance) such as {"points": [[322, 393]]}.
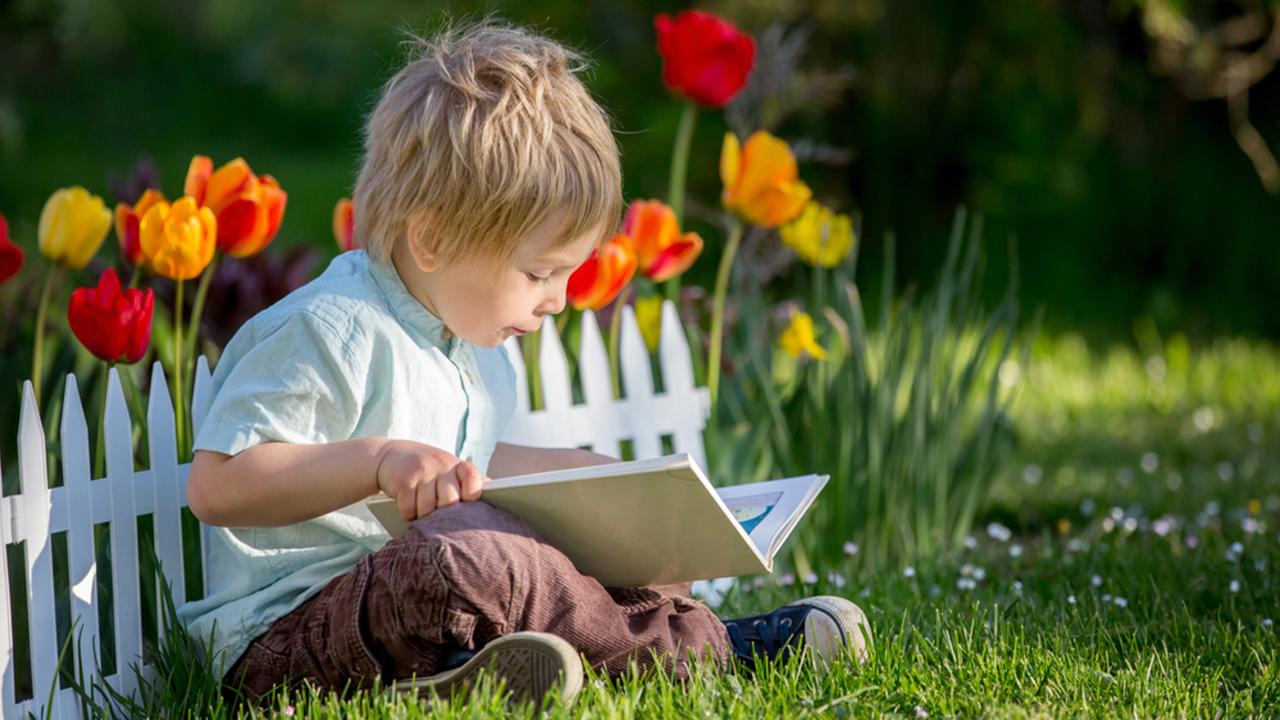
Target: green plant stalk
{"points": [[37, 355], [178, 402], [99, 452], [717, 310], [136, 408], [615, 327], [532, 346], [197, 308], [679, 175]]}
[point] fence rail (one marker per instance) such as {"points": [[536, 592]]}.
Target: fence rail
{"points": [[77, 511]]}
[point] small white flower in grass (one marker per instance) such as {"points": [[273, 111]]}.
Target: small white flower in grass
{"points": [[909, 571], [1076, 545], [1150, 462], [759, 581], [866, 593], [1017, 587], [851, 548], [1130, 524], [1266, 622], [1108, 525], [979, 574], [966, 569], [998, 532], [1087, 506], [1120, 602], [1234, 587], [1117, 513], [1203, 418], [288, 711], [810, 578], [1251, 526], [1163, 526], [966, 584], [1260, 565], [1071, 599], [1032, 474], [836, 579], [921, 713], [1226, 471], [1191, 542], [934, 591], [1015, 550], [1213, 507], [1106, 598], [970, 542], [788, 580], [1096, 581]]}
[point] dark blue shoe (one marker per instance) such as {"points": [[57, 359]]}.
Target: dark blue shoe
{"points": [[820, 628]]}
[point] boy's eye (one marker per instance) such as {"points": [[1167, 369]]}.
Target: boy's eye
{"points": [[538, 278]]}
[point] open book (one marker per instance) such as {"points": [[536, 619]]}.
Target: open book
{"points": [[648, 522]]}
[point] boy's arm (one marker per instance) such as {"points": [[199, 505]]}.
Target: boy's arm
{"points": [[508, 459], [277, 483]]}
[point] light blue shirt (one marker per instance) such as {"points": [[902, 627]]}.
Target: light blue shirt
{"points": [[350, 354]]}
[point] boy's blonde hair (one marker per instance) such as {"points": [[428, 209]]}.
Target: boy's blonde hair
{"points": [[484, 135]]}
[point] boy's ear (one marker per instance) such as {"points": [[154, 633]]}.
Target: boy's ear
{"points": [[422, 247]]}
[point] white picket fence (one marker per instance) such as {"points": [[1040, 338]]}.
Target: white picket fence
{"points": [[38, 513]]}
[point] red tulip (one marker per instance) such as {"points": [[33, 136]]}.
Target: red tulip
{"points": [[344, 225], [599, 280], [112, 323], [662, 252], [704, 57], [249, 207], [127, 219], [11, 255]]}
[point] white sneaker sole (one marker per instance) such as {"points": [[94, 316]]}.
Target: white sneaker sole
{"points": [[531, 666], [833, 627]]}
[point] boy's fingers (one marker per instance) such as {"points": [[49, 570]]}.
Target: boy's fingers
{"points": [[426, 497], [448, 491], [472, 481]]}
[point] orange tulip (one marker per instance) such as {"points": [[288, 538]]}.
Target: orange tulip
{"points": [[599, 280], [128, 217], [249, 207], [344, 224], [761, 180], [178, 239], [661, 251]]}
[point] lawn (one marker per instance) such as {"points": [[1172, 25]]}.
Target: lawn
{"points": [[1122, 567]]}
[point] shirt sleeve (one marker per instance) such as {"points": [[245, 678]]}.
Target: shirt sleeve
{"points": [[294, 382]]}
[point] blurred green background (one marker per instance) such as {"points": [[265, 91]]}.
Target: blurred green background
{"points": [[1051, 120]]}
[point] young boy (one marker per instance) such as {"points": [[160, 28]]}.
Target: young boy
{"points": [[489, 175]]}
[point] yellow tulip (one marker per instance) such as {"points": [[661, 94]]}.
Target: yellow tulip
{"points": [[178, 239], [798, 338], [819, 236], [761, 180], [649, 318], [73, 225]]}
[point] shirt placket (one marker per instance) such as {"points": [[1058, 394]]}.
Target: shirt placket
{"points": [[464, 361]]}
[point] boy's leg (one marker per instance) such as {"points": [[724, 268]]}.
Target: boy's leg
{"points": [[461, 577], [480, 573]]}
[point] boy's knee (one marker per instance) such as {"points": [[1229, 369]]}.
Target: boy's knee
{"points": [[473, 541]]}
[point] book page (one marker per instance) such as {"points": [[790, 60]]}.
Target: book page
{"points": [[768, 511]]}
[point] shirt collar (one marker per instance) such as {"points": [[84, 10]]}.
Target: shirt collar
{"points": [[411, 313]]}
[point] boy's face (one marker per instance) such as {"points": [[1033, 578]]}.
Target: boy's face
{"points": [[485, 305]]}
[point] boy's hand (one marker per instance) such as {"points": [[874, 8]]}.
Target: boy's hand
{"points": [[422, 478]]}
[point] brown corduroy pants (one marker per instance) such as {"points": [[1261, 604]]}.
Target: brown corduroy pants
{"points": [[460, 577]]}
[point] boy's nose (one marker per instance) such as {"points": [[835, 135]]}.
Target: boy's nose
{"points": [[554, 303]]}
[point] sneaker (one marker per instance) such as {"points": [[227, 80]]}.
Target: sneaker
{"points": [[821, 628], [533, 667]]}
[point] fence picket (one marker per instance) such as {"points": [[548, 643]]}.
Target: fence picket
{"points": [[167, 516], [81, 561], [124, 535], [200, 394], [35, 506], [556, 393], [637, 378], [677, 381], [597, 387]]}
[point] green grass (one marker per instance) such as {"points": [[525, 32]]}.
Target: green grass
{"points": [[1137, 488]]}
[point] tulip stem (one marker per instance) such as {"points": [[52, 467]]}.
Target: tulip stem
{"points": [[37, 354], [717, 310], [197, 309], [178, 402], [679, 173], [615, 324], [99, 452], [135, 406]]}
